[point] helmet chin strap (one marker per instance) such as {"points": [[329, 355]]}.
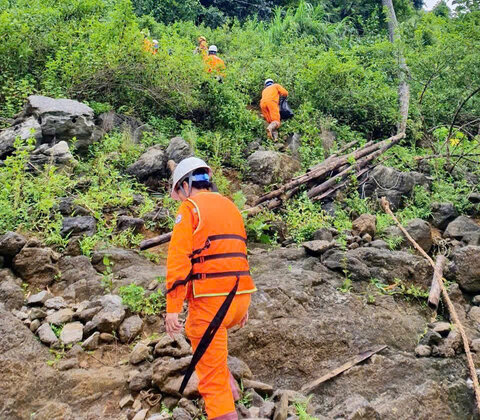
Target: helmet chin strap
{"points": [[190, 180]]}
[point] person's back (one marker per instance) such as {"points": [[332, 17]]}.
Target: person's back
{"points": [[273, 92]]}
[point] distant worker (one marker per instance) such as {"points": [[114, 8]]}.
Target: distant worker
{"points": [[202, 47], [214, 64], [155, 46], [269, 106], [207, 264]]}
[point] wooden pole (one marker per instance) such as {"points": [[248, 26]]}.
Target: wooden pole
{"points": [[435, 288], [451, 308]]}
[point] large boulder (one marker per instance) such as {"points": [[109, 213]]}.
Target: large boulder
{"points": [[24, 129], [465, 268], [365, 224], [393, 184], [110, 120], [79, 226], [63, 119], [366, 263], [267, 167], [127, 267], [58, 155], [421, 232], [442, 214], [150, 168], [178, 149], [111, 315], [11, 294], [78, 268], [11, 244], [37, 266], [460, 227]]}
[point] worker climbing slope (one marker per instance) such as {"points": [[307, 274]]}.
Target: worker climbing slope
{"points": [[202, 47], [207, 265], [269, 106], [214, 64]]}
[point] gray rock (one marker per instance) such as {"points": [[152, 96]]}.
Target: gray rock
{"points": [[150, 168], [110, 120], [431, 338], [442, 214], [267, 409], [140, 353], [24, 129], [176, 347], [128, 267], [111, 314], [92, 342], [130, 328], [19, 314], [423, 351], [60, 317], [316, 248], [37, 313], [34, 325], [83, 289], [420, 231], [442, 328], [166, 368], [476, 300], [378, 243], [141, 415], [181, 414], [11, 294], [39, 298], [72, 333], [238, 368], [77, 226], [63, 119], [142, 380], [126, 401], [366, 263], [107, 338], [178, 149], [354, 407], [46, 335], [55, 303], [127, 222], [11, 244], [67, 364], [266, 167], [77, 268], [87, 314], [474, 315], [37, 266], [465, 268], [476, 345], [392, 184], [58, 155], [260, 387], [365, 224], [323, 234], [460, 227]]}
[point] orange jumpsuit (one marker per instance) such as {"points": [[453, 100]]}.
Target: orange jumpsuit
{"points": [[199, 218], [215, 64], [269, 102]]}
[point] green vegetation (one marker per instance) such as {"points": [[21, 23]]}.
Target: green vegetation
{"points": [[336, 61], [139, 301]]}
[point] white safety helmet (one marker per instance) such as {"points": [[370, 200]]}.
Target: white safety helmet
{"points": [[183, 171], [212, 49], [155, 42], [269, 82]]}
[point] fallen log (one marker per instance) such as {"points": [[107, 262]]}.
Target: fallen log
{"points": [[451, 309], [157, 240], [435, 288], [337, 371]]}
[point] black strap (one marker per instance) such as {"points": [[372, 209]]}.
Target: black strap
{"points": [[208, 335], [218, 238], [219, 256], [198, 276], [180, 282]]}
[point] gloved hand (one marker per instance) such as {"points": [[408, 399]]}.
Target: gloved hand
{"points": [[172, 324]]}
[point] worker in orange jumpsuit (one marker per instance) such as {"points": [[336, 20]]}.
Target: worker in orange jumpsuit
{"points": [[207, 264], [213, 63], [269, 106], [202, 47]]}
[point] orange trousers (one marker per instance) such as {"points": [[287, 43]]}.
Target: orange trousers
{"points": [[215, 380], [270, 111]]}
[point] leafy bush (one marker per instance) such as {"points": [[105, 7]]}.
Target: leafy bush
{"points": [[138, 301]]}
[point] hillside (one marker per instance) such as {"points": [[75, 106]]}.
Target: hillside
{"points": [[93, 119]]}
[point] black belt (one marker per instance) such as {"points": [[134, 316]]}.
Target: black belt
{"points": [[218, 257]]}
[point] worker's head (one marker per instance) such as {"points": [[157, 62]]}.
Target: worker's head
{"points": [[155, 43], [212, 49], [268, 82], [145, 32], [191, 174], [202, 39]]}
